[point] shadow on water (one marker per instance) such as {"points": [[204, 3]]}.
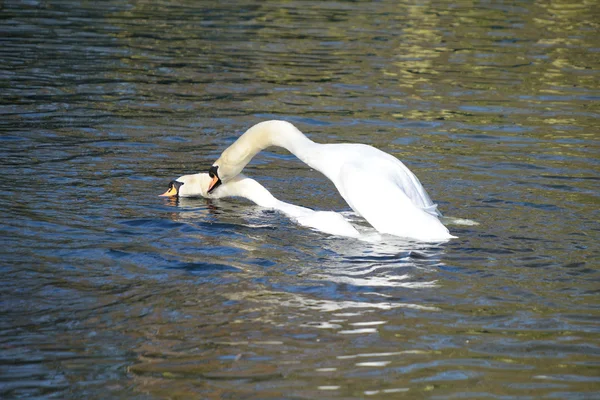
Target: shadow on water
{"points": [[108, 290]]}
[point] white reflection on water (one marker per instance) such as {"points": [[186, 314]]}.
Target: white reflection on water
{"points": [[357, 331], [386, 354], [373, 364], [386, 263], [387, 281], [373, 261], [395, 390], [368, 323], [296, 300]]}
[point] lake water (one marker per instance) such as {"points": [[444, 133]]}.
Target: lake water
{"points": [[109, 291]]}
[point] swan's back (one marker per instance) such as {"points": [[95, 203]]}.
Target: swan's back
{"points": [[376, 164], [381, 189]]}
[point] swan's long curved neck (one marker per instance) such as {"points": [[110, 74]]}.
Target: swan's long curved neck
{"points": [[242, 186], [267, 134]]}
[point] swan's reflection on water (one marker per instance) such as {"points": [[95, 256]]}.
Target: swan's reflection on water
{"points": [[367, 264], [382, 261]]}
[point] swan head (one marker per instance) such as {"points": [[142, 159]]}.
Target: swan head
{"points": [[233, 160], [189, 186], [215, 180], [225, 169], [197, 185]]}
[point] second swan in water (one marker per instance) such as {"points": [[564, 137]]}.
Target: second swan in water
{"points": [[242, 186], [375, 184]]}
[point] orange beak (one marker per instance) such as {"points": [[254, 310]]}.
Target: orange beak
{"points": [[214, 181], [170, 193]]}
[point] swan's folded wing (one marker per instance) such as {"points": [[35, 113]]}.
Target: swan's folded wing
{"points": [[387, 207]]}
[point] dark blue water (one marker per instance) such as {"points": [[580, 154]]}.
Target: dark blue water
{"points": [[108, 291]]}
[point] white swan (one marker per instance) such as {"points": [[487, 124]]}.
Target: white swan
{"points": [[242, 186], [376, 185]]}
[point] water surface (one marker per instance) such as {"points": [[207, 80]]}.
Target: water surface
{"points": [[109, 291]]}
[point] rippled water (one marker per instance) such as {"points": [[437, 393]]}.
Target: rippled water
{"points": [[110, 291]]}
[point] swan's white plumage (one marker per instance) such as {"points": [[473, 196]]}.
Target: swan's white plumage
{"points": [[375, 184], [241, 186]]}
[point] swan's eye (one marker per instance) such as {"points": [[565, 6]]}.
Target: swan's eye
{"points": [[212, 172]]}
